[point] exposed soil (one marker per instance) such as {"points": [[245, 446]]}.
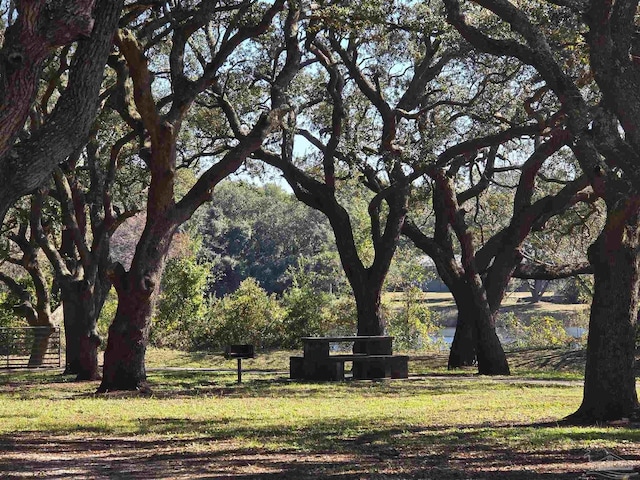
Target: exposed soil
{"points": [[32, 455]]}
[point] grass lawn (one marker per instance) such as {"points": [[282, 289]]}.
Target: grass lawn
{"points": [[200, 424]]}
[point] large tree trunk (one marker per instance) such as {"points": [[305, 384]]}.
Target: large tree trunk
{"points": [[463, 351], [367, 296], [124, 357], [82, 340], [491, 357], [124, 367], [476, 337], [71, 337], [610, 384], [490, 354]]}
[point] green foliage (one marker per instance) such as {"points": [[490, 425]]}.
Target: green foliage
{"points": [[248, 315], [260, 232], [107, 314], [311, 310], [343, 316], [406, 269], [7, 316], [541, 331], [181, 302], [414, 326], [306, 314], [307, 308], [547, 331], [578, 289]]}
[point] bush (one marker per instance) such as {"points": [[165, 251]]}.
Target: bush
{"points": [[414, 326], [107, 314], [8, 317], [249, 315], [342, 316], [181, 302], [542, 331], [310, 311], [307, 314], [547, 331]]}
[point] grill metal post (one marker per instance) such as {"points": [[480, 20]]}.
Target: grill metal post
{"points": [[239, 352]]}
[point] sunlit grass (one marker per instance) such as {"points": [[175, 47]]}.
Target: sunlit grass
{"points": [[278, 413], [198, 404], [263, 408], [198, 410]]}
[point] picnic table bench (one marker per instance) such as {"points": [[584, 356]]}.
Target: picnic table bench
{"points": [[372, 358]]}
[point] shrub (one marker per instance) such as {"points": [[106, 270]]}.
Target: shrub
{"points": [[307, 314], [181, 301], [547, 331], [342, 316], [542, 331], [414, 326], [8, 317], [107, 314], [248, 315]]}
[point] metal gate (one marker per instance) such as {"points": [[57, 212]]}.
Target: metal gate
{"points": [[30, 347]]}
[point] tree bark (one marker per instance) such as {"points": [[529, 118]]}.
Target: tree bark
{"points": [[463, 351], [124, 367], [27, 164], [367, 295], [491, 357], [610, 384], [80, 319]]}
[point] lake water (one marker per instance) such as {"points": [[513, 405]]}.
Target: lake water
{"points": [[447, 334]]}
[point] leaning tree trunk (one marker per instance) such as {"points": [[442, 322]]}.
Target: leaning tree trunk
{"points": [[610, 384], [39, 318], [40, 344]]}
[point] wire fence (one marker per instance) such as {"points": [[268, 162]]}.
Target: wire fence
{"points": [[30, 347]]}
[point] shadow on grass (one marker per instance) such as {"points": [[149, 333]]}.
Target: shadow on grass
{"points": [[180, 384], [25, 377], [184, 383], [342, 449], [546, 358]]}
